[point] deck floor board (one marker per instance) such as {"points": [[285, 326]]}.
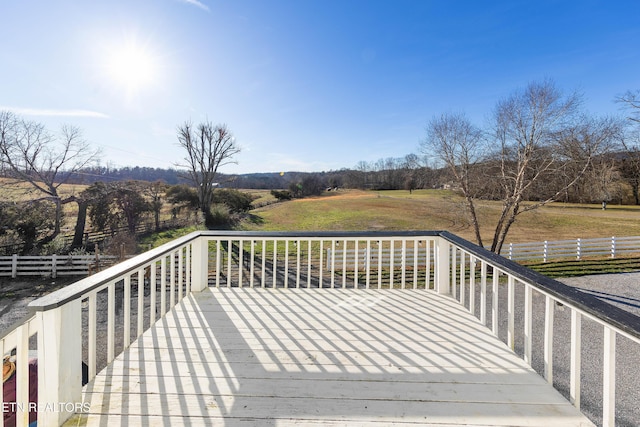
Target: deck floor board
{"points": [[240, 356]]}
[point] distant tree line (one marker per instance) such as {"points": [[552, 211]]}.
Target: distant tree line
{"points": [[538, 146]]}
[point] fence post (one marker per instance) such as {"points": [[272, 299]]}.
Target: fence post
{"points": [[510, 250], [60, 362], [613, 247], [545, 251], [14, 266], [443, 278], [579, 249], [54, 262]]}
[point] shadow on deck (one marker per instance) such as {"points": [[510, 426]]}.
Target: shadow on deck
{"points": [[242, 356]]}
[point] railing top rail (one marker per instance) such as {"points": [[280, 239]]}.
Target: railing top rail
{"points": [[15, 325], [319, 234], [81, 287], [610, 314]]}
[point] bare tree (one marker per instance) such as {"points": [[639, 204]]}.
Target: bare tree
{"points": [[541, 147], [208, 148], [631, 102], [30, 153], [458, 145], [630, 168], [155, 192], [540, 134]]}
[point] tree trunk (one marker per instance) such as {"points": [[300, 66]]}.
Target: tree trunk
{"points": [[78, 236], [474, 220]]}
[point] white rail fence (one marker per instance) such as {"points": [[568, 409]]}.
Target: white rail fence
{"points": [[98, 317], [576, 249], [53, 265]]}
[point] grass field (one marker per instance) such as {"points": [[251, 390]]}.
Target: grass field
{"points": [[353, 210]]}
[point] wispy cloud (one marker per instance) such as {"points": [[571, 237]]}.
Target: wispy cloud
{"points": [[197, 4], [45, 112]]}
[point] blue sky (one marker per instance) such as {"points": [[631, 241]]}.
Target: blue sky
{"points": [[304, 85]]}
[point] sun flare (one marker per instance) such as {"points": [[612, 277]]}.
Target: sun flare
{"points": [[132, 66]]}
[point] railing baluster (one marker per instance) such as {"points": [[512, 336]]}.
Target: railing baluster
{"points": [[576, 362], [127, 311], [472, 285], [333, 262], [416, 248], [218, 261], [180, 280], [309, 261], [91, 335], [609, 378], [111, 310], [528, 304], [297, 243], [140, 302], [403, 263], [229, 261], [548, 339], [367, 265], [22, 375], [172, 280], [427, 273], [392, 262], [454, 269], [320, 264], [163, 286], [264, 263], [152, 292], [286, 263], [344, 264], [511, 312], [252, 265], [463, 278], [187, 257], [355, 264], [495, 301], [379, 264], [240, 261], [483, 293], [275, 263]]}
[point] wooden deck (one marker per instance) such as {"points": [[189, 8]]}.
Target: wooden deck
{"points": [[238, 356]]}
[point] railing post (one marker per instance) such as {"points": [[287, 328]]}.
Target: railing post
{"points": [[199, 264], [59, 362], [443, 279]]}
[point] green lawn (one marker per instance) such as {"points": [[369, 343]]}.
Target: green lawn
{"points": [[353, 210]]}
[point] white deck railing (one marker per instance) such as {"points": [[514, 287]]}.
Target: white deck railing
{"points": [[96, 318]]}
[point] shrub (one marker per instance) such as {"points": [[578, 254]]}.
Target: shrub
{"points": [[282, 195], [218, 216], [235, 200]]}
